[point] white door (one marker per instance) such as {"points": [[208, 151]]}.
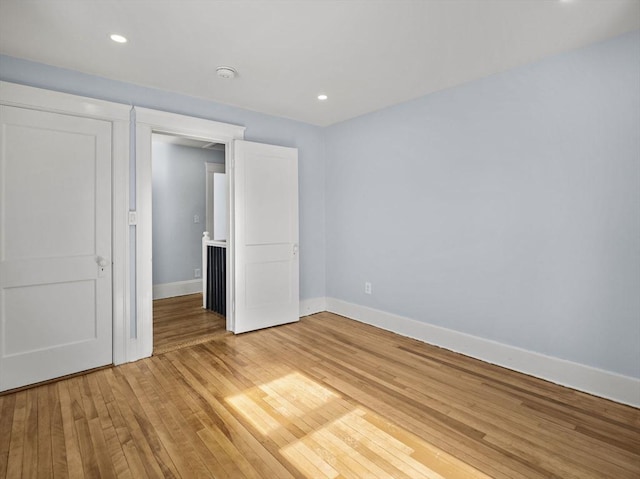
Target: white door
{"points": [[266, 236], [55, 245], [216, 201]]}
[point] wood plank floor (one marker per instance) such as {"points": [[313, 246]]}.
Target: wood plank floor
{"points": [[325, 397], [181, 321]]}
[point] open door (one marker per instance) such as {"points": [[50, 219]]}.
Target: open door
{"points": [[266, 236]]}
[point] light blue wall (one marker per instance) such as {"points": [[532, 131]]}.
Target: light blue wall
{"points": [[506, 208], [179, 190], [260, 127]]}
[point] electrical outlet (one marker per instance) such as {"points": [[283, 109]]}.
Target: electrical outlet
{"points": [[196, 219], [367, 288], [197, 273]]}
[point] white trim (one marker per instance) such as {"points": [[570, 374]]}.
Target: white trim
{"points": [[188, 126], [179, 288], [120, 244], [22, 96], [594, 381], [142, 345], [312, 306], [210, 169], [153, 121], [230, 158], [210, 242]]}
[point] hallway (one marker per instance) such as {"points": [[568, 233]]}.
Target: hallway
{"points": [[181, 321]]}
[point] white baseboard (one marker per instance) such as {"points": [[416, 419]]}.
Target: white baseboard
{"points": [[179, 288], [594, 381], [312, 306]]}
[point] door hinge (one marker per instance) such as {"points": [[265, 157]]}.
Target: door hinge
{"points": [[233, 306]]}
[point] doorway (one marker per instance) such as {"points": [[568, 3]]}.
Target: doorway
{"points": [[183, 208], [261, 263], [149, 122]]}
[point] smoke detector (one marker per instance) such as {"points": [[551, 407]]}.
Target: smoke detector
{"points": [[227, 73]]}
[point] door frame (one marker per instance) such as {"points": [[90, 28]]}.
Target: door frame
{"points": [[210, 169], [21, 96], [147, 122]]}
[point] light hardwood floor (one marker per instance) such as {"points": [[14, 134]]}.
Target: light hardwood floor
{"points": [[325, 397], [181, 321]]}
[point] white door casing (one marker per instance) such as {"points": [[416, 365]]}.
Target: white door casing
{"points": [[153, 121], [55, 245], [266, 236], [210, 170]]}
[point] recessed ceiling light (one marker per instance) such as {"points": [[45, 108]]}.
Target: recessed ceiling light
{"points": [[118, 38], [322, 97], [226, 72]]}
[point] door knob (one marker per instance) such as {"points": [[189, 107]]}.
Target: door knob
{"points": [[102, 262]]}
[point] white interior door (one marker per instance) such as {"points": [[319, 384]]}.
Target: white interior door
{"points": [[266, 236], [55, 245], [213, 203]]}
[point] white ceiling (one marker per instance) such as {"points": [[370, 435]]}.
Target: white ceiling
{"points": [[364, 55]]}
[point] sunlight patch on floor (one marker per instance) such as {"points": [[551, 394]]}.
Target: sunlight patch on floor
{"points": [[362, 450], [323, 435], [294, 393], [290, 396]]}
